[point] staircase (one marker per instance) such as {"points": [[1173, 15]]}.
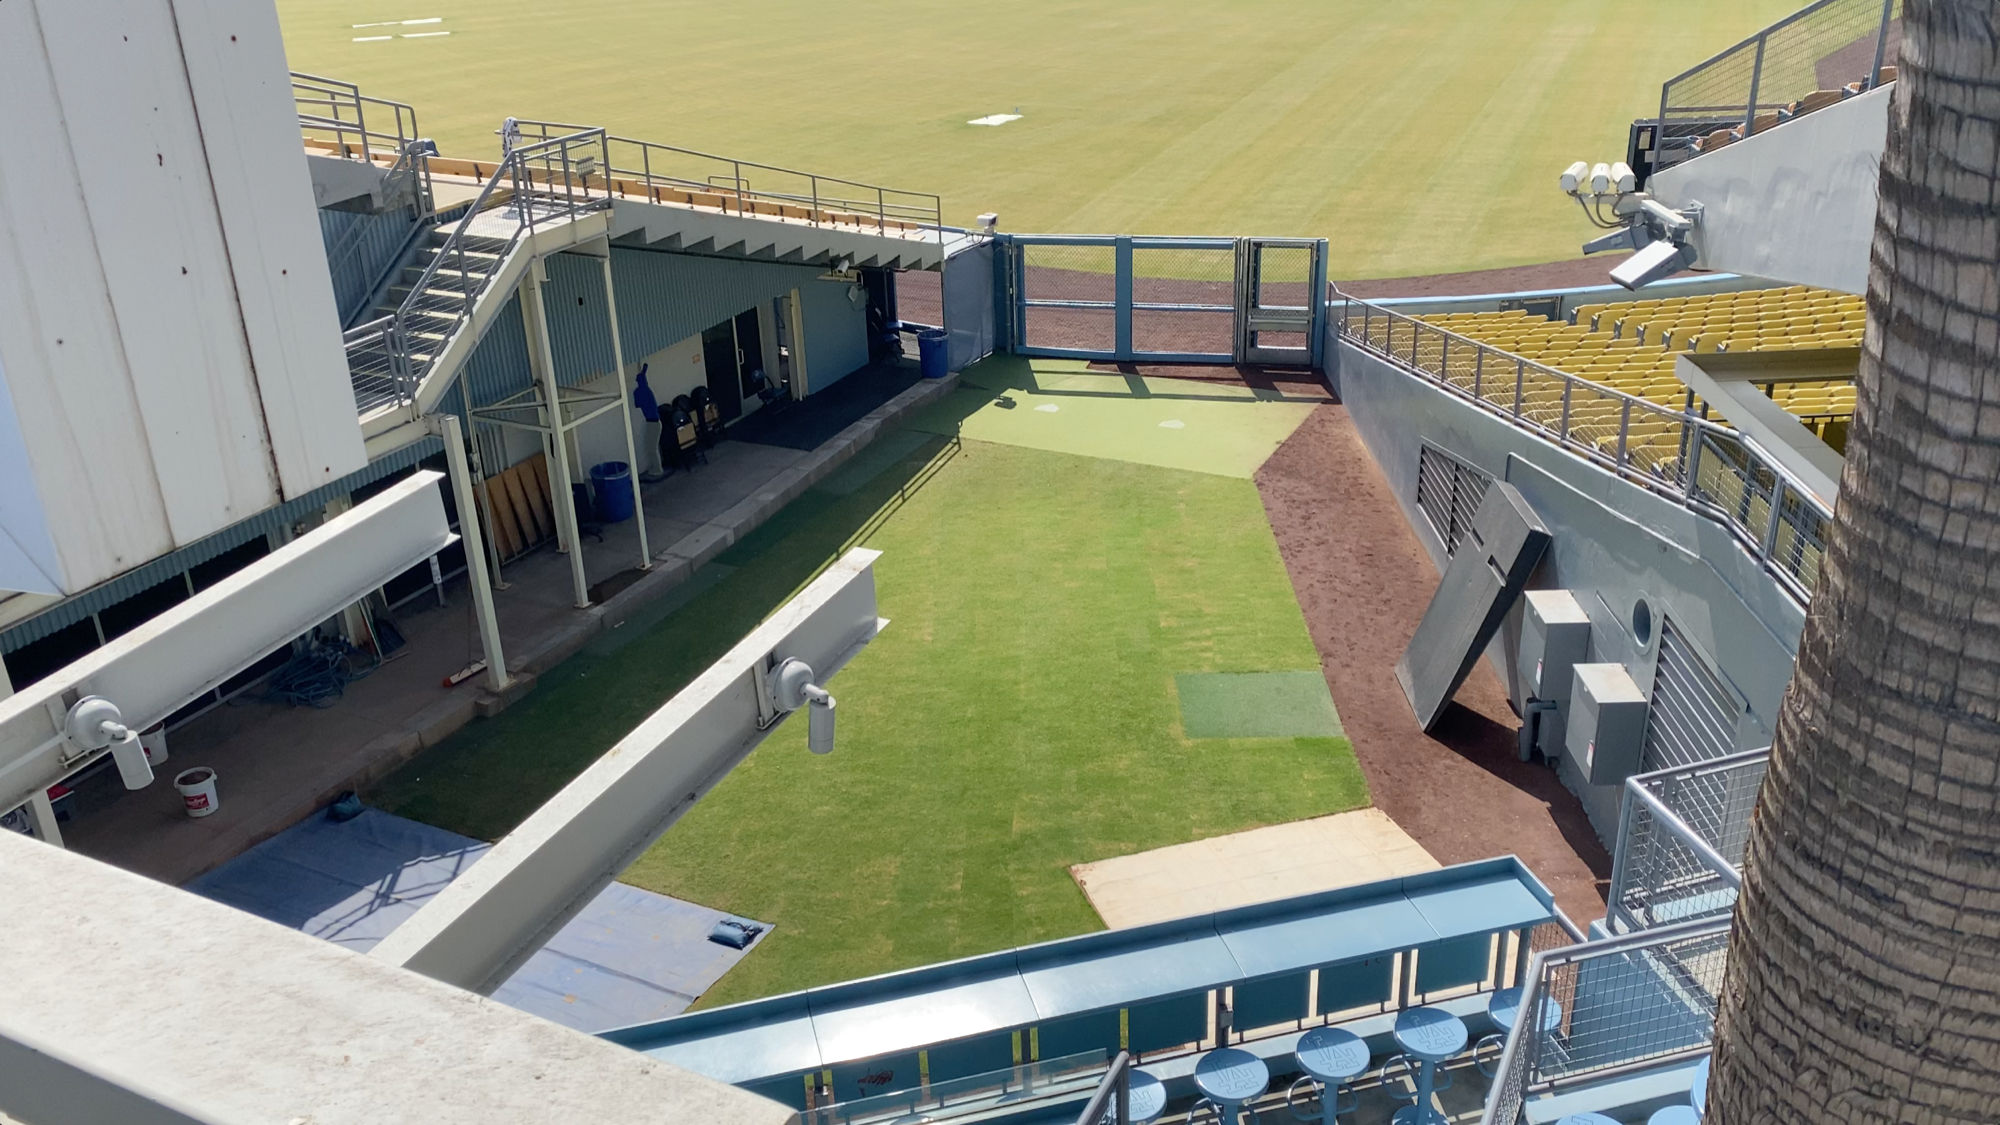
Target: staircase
{"points": [[426, 323]]}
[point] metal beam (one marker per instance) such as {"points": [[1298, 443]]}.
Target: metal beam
{"points": [[475, 552], [168, 661], [559, 479], [491, 919], [625, 400]]}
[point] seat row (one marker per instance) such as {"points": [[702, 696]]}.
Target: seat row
{"points": [[1818, 99]]}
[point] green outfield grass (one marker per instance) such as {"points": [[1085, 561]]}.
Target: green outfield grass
{"points": [[1419, 136], [1020, 714]]}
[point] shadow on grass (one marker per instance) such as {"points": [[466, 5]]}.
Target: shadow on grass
{"points": [[485, 780]]}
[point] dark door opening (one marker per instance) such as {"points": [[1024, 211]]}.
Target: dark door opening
{"points": [[749, 349], [718, 355]]}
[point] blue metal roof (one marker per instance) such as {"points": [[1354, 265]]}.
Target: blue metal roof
{"points": [[1000, 992]]}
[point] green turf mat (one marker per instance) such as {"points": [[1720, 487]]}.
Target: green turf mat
{"points": [[1256, 705], [1061, 407]]}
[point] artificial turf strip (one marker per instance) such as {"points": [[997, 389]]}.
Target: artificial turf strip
{"points": [[1256, 705], [1060, 406], [1418, 136], [1017, 716]]}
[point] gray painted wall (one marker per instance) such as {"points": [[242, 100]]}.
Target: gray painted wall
{"points": [[1614, 544]]}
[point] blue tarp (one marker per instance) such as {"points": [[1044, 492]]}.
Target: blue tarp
{"points": [[631, 956]]}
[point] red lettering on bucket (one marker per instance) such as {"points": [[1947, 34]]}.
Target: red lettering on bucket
{"points": [[196, 800]]}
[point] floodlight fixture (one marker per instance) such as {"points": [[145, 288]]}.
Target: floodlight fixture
{"points": [[1659, 259]]}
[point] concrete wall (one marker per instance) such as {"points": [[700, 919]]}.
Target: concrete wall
{"points": [[170, 358], [1796, 203], [1615, 543]]}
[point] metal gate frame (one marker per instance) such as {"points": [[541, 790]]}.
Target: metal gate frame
{"points": [[1249, 317], [1254, 317]]}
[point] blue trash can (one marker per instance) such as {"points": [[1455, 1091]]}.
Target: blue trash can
{"points": [[931, 352], [613, 485]]}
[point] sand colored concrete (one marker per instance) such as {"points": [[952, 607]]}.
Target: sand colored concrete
{"points": [[1242, 868]]}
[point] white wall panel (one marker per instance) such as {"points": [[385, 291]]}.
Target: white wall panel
{"points": [[64, 370], [1796, 203], [242, 94], [126, 101]]}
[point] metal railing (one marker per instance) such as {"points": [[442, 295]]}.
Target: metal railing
{"points": [[1681, 836], [353, 124], [1605, 1009], [1706, 467], [536, 184], [666, 174], [1112, 1103], [1823, 46]]}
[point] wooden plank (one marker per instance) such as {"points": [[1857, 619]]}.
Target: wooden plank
{"points": [[506, 530], [540, 497], [510, 483]]}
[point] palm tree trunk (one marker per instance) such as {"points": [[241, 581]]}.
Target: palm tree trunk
{"points": [[1864, 969]]}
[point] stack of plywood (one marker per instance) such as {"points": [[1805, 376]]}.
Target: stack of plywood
{"points": [[519, 500]]}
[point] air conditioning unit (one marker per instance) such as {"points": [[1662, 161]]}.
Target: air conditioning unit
{"points": [[1607, 723], [1555, 637]]}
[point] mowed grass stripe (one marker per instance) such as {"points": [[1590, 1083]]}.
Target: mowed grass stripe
{"points": [[1419, 136]]}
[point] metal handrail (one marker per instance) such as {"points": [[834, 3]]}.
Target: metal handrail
{"points": [[1583, 417], [548, 181], [329, 105], [1661, 800], [1112, 1102], [818, 193], [1519, 1072], [1759, 46]]}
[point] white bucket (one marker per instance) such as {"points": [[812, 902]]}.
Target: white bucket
{"points": [[154, 743], [197, 789]]}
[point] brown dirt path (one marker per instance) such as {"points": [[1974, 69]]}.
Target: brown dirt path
{"points": [[1363, 582]]}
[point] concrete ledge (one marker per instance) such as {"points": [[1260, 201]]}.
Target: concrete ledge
{"points": [[700, 545], [444, 718]]}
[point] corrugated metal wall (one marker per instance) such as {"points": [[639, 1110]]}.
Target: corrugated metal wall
{"points": [[377, 240], [663, 298], [268, 522]]}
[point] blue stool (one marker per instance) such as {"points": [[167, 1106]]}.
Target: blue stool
{"points": [[1675, 1115], [1330, 1057], [1504, 1009], [1147, 1099], [1428, 1036], [1698, 1090], [1227, 1078]]}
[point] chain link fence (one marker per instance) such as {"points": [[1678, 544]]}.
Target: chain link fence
{"points": [[1183, 299]]}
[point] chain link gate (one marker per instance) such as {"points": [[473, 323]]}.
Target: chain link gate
{"points": [[1167, 300]]}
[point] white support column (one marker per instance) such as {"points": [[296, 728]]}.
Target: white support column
{"points": [[472, 537], [559, 478], [42, 816], [537, 360], [485, 494], [625, 412]]}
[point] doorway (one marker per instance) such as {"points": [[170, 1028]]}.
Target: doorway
{"points": [[749, 350], [725, 384]]}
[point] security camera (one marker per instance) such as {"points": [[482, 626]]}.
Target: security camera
{"points": [[1622, 179], [793, 688], [1600, 178], [1659, 259], [1573, 177], [94, 724], [989, 221]]}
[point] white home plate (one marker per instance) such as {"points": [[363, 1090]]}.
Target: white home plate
{"points": [[1048, 408], [1173, 424], [995, 119], [1246, 867]]}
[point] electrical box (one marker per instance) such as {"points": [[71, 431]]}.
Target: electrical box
{"points": [[1555, 637], [1607, 723]]}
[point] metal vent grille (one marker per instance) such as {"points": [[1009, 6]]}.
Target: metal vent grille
{"points": [[1692, 717], [1448, 493]]}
